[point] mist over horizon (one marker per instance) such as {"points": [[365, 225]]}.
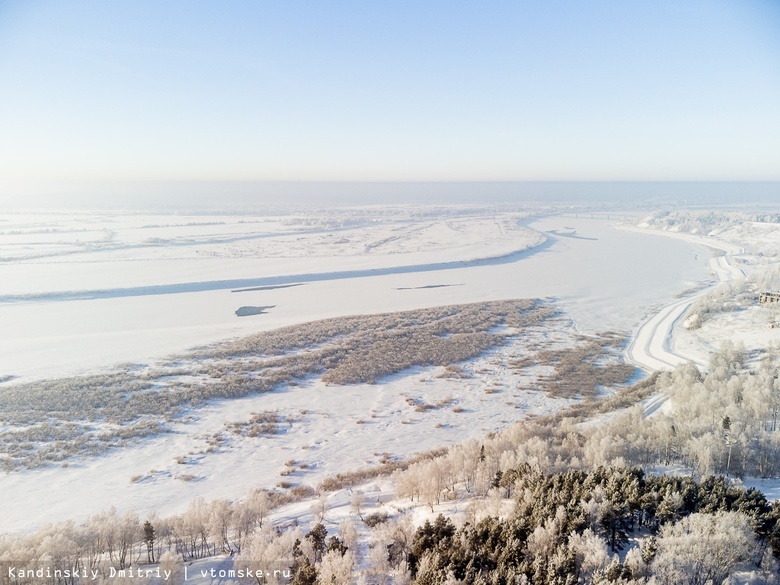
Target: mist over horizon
{"points": [[247, 195]]}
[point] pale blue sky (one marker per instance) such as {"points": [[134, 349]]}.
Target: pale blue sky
{"points": [[396, 90]]}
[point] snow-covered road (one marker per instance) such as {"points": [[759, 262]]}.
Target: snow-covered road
{"points": [[651, 347]]}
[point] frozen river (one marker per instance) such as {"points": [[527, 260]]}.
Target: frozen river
{"points": [[97, 304]]}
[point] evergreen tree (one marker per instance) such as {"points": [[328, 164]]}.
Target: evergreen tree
{"points": [[149, 538], [317, 536]]}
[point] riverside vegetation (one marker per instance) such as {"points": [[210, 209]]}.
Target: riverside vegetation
{"points": [[49, 421], [550, 501]]}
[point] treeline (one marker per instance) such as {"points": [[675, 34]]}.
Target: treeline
{"points": [[113, 540], [726, 421], [702, 223], [722, 422], [119, 540], [607, 526], [754, 231], [566, 528], [707, 222]]}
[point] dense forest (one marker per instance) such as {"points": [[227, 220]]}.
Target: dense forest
{"points": [[609, 525], [570, 527]]}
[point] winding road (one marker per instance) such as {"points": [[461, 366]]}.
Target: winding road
{"points": [[651, 347]]}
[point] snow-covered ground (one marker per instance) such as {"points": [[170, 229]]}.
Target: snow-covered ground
{"points": [[754, 328], [749, 253], [326, 430], [126, 290], [653, 344], [81, 294]]}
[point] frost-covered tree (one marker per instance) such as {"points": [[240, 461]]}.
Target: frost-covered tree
{"points": [[320, 507], [357, 501], [348, 535], [250, 514], [268, 551], [172, 564], [128, 533], [703, 548], [336, 568], [590, 552], [221, 524]]}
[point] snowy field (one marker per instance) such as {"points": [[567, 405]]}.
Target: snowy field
{"points": [[730, 312], [84, 293], [654, 344]]}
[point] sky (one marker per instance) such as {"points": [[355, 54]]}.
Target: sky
{"points": [[658, 90]]}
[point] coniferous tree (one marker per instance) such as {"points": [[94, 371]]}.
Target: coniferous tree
{"points": [[149, 539], [317, 536]]}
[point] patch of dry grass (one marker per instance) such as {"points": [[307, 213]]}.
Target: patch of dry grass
{"points": [[386, 467], [52, 420], [580, 371]]}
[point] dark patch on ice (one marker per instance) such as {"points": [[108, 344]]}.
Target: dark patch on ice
{"points": [[571, 235], [7, 378], [427, 286], [247, 311], [270, 287]]}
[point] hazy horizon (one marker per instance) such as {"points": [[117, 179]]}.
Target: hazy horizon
{"points": [[248, 194]]}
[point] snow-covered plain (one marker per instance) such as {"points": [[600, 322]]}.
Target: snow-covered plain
{"points": [[652, 343], [749, 265], [82, 293], [126, 290], [327, 430]]}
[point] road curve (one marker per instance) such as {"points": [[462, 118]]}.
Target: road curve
{"points": [[651, 345]]}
